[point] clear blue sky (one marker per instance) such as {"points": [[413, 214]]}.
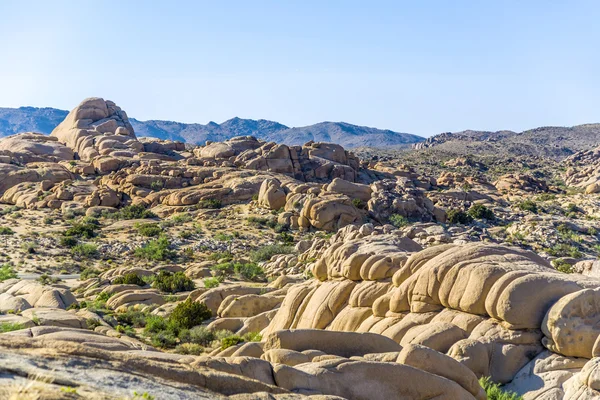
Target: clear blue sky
{"points": [[422, 67]]}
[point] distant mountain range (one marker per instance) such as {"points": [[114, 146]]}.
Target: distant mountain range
{"points": [[43, 120]]}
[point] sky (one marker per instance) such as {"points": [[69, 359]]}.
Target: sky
{"points": [[422, 67]]}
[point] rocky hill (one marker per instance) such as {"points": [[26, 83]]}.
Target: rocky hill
{"points": [[548, 141], [44, 120]]}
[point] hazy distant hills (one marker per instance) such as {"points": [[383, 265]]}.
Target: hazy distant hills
{"points": [[43, 120]]}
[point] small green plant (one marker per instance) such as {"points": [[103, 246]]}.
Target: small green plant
{"points": [[173, 282], [68, 389], [286, 238], [211, 283], [7, 272], [85, 250], [250, 271], [528, 205], [142, 396], [455, 216], [562, 266], [398, 220], [29, 247], [230, 341], [68, 241], [266, 252], [192, 349], [88, 273], [85, 230], [479, 211], [149, 229], [129, 279], [494, 391], [564, 250], [210, 203], [358, 203], [157, 185], [156, 250], [9, 327], [135, 211], [5, 230]]}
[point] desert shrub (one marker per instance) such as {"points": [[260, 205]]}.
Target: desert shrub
{"points": [[68, 241], [281, 228], [155, 250], [562, 266], [230, 341], [262, 222], [149, 229], [180, 218], [189, 348], [564, 250], [10, 326], [7, 272], [88, 273], [131, 317], [494, 391], [266, 252], [85, 250], [286, 238], [200, 335], [210, 203], [5, 230], [528, 205], [455, 216], [211, 283], [129, 279], [479, 211], [189, 313], [253, 337], [398, 220], [249, 271], [358, 203], [80, 229], [223, 237], [222, 270], [157, 185], [164, 339], [29, 247], [220, 255], [173, 282], [104, 296], [135, 211], [155, 324]]}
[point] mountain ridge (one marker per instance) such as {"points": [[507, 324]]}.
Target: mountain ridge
{"points": [[43, 120]]}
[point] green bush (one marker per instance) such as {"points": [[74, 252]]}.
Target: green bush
{"points": [[157, 185], [9, 327], [210, 283], [155, 250], [68, 241], [149, 229], [85, 250], [479, 211], [250, 271], [164, 339], [189, 313], [5, 230], [189, 348], [85, 230], [210, 203], [7, 272], [564, 250], [230, 341], [528, 205], [223, 270], [200, 335], [562, 266], [398, 220], [358, 203], [135, 211], [173, 282], [129, 279], [455, 216], [88, 273], [220, 255], [266, 252], [494, 391]]}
